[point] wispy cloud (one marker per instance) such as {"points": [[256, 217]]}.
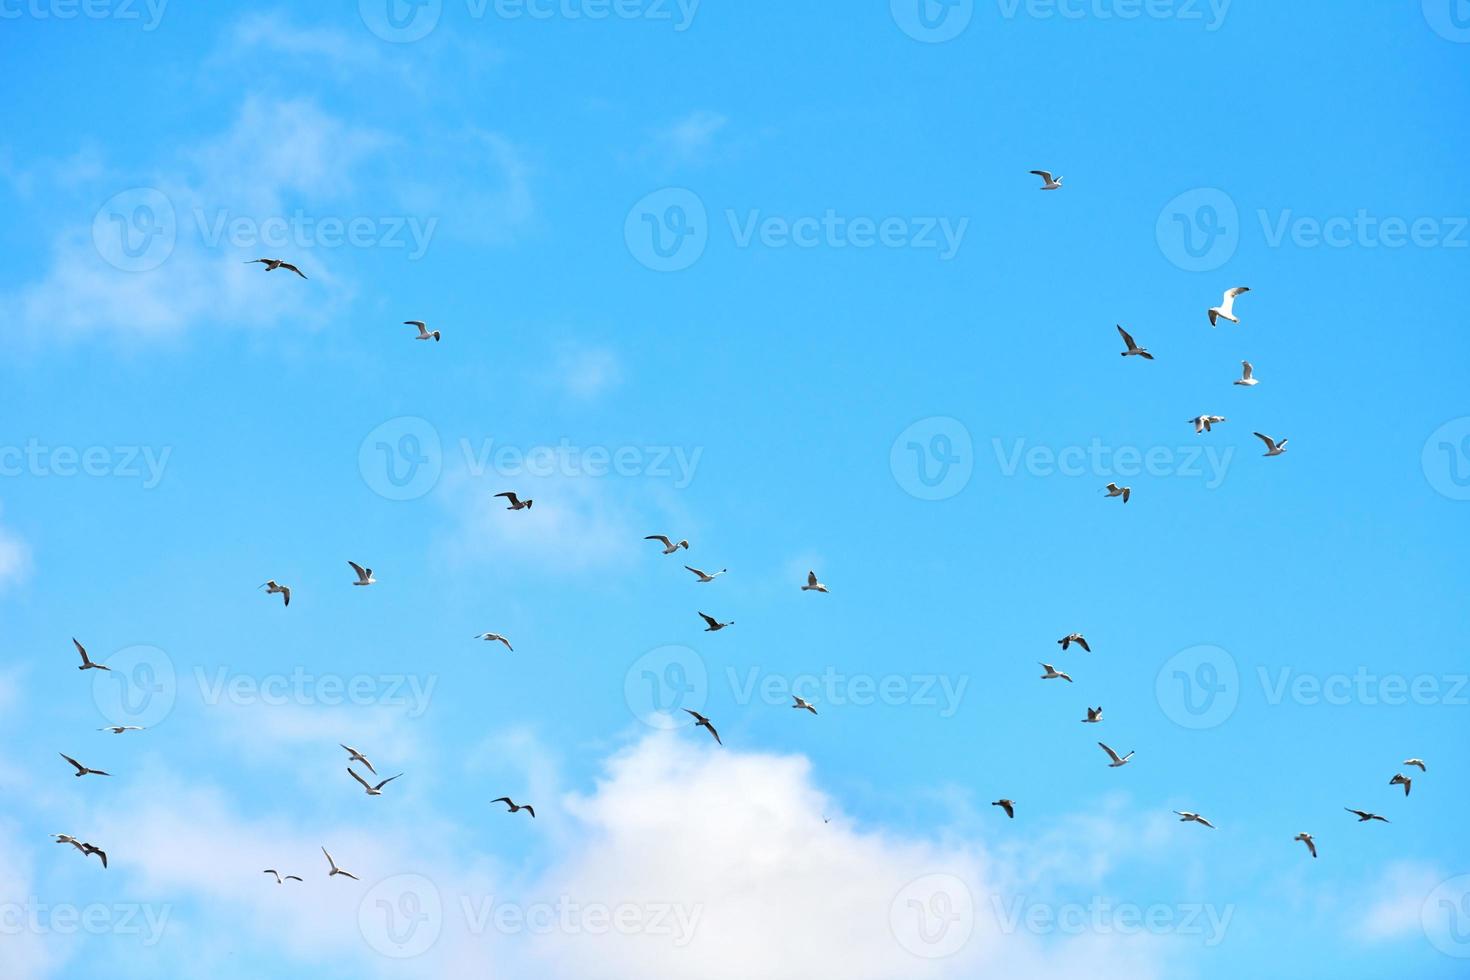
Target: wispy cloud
{"points": [[15, 558]]}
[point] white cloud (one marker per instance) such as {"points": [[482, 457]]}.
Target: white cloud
{"points": [[15, 558], [688, 140], [586, 372], [1398, 905]]}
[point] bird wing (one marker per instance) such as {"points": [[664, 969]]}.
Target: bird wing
{"points": [[1266, 439], [1246, 369], [696, 714], [361, 572], [1111, 754], [100, 853], [1127, 339], [507, 643], [1043, 174], [1083, 644], [80, 767], [329, 859], [660, 537], [696, 571], [82, 650], [529, 809], [416, 323], [288, 265], [348, 874], [1311, 846], [709, 619], [1199, 819], [293, 877], [353, 773], [503, 799], [811, 578], [272, 871], [1230, 294], [387, 781], [712, 731], [510, 496]]}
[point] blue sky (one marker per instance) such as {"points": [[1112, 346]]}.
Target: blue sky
{"points": [[776, 281]]}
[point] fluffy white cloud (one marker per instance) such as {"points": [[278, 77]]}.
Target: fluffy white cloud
{"points": [[15, 558]]}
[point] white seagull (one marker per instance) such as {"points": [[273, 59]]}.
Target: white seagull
{"points": [[515, 807], [336, 870], [1117, 760], [356, 756], [1052, 673], [669, 546], [272, 587], [1226, 308], [1048, 183], [424, 332], [812, 585], [516, 503], [1273, 448], [271, 265], [1094, 715], [1416, 762], [1076, 638], [1186, 817], [1246, 375], [1306, 839], [371, 790], [279, 879], [803, 703], [1202, 423], [493, 638], [364, 575], [119, 729], [1400, 779], [1364, 816], [86, 849], [86, 660], [1116, 491], [81, 769], [1133, 349], [706, 576]]}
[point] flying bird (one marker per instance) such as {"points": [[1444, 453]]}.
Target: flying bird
{"points": [[1416, 762], [1225, 310], [516, 503], [1202, 423], [1364, 816], [700, 721], [119, 729], [371, 790], [1400, 779], [1052, 673], [271, 265], [1076, 638], [706, 576], [1306, 839], [81, 769], [86, 849], [364, 575], [424, 332], [803, 703], [669, 546], [1246, 376], [1186, 817], [356, 756], [714, 624], [279, 879], [86, 660], [1094, 715], [515, 807], [1048, 183], [1116, 491], [1133, 349], [1009, 806], [493, 638], [1117, 761], [1273, 448], [272, 587], [336, 870], [812, 585]]}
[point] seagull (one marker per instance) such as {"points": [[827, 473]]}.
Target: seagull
{"points": [[279, 879], [1224, 310], [371, 790], [1364, 816], [364, 575], [515, 807], [516, 503], [714, 625], [1306, 839], [68, 839], [119, 729], [1273, 448], [1052, 673], [1186, 817], [1094, 715], [1048, 183], [81, 769], [1245, 376], [271, 588], [338, 871], [669, 546], [1400, 779], [1076, 638], [706, 576], [1133, 349], [83, 846], [1009, 806], [1416, 762], [1202, 423], [493, 637], [86, 660], [271, 265], [1116, 491], [812, 585], [700, 721], [424, 333], [356, 756], [803, 703], [1114, 756]]}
